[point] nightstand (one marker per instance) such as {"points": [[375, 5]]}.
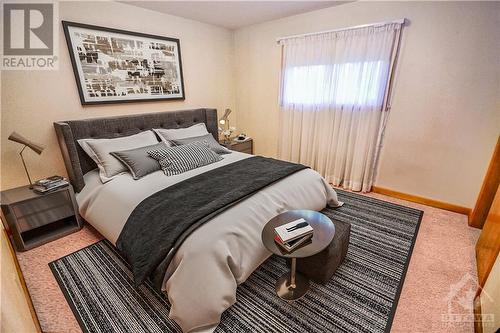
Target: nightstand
{"points": [[243, 147], [34, 219]]}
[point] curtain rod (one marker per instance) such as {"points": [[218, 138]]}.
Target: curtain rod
{"points": [[400, 21]]}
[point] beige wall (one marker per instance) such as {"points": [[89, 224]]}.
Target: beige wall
{"points": [[32, 101], [446, 113], [442, 128]]}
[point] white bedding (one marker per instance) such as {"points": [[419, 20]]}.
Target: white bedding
{"points": [[202, 278]]}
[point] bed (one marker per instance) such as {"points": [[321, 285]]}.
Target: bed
{"points": [[203, 274]]}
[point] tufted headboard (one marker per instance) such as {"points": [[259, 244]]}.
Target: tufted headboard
{"points": [[78, 163]]}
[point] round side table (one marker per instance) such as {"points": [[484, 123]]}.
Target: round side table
{"points": [[292, 285]]}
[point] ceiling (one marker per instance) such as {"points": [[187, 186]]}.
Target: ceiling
{"points": [[233, 14]]}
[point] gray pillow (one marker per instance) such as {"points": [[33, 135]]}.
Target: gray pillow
{"points": [[181, 133], [208, 139], [138, 160], [99, 150], [179, 159]]}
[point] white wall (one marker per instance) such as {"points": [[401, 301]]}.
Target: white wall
{"points": [[446, 114], [33, 100]]}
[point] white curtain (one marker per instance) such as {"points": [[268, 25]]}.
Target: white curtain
{"points": [[333, 101]]}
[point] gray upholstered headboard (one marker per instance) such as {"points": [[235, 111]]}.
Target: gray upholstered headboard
{"points": [[78, 163]]}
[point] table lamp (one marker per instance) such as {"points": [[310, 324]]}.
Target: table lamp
{"points": [[225, 118], [37, 148], [226, 130]]}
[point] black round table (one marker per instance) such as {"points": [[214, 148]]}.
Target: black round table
{"points": [[293, 285]]}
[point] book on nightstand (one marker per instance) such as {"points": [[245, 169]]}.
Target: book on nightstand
{"points": [[49, 184], [293, 235], [293, 230], [293, 245]]}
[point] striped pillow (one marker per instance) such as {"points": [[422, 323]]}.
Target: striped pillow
{"points": [[211, 143], [179, 159]]}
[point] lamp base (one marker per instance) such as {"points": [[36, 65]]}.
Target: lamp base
{"points": [[25, 168]]}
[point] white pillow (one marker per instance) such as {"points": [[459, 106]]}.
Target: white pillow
{"points": [[181, 133], [99, 150]]}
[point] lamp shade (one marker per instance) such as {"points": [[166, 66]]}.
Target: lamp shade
{"points": [[225, 116], [16, 137]]}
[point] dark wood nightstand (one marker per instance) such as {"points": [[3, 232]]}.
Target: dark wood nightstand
{"points": [[243, 147], [34, 219]]}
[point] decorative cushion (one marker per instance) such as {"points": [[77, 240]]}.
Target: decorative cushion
{"points": [[179, 159], [138, 161], [208, 138], [181, 133], [99, 150], [321, 266]]}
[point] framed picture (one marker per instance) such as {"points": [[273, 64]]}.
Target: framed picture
{"points": [[117, 66]]}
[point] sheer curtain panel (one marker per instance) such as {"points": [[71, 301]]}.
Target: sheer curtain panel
{"points": [[334, 90]]}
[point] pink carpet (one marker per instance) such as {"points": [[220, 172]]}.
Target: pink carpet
{"points": [[443, 256]]}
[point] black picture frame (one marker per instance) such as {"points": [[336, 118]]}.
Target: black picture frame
{"points": [[80, 85]]}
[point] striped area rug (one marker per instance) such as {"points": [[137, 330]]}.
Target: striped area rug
{"points": [[361, 297]]}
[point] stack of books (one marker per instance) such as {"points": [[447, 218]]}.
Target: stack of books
{"points": [[50, 184], [293, 235]]}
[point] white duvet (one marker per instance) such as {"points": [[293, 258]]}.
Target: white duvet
{"points": [[202, 278]]}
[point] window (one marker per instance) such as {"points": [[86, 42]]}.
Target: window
{"points": [[351, 83], [335, 95]]}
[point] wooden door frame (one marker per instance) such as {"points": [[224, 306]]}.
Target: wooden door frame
{"points": [[488, 190]]}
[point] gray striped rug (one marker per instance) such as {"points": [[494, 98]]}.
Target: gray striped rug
{"points": [[361, 297]]}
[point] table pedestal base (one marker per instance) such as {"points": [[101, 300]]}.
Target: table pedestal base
{"points": [[292, 286]]}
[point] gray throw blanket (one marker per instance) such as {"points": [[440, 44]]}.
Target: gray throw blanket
{"points": [[160, 223]]}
